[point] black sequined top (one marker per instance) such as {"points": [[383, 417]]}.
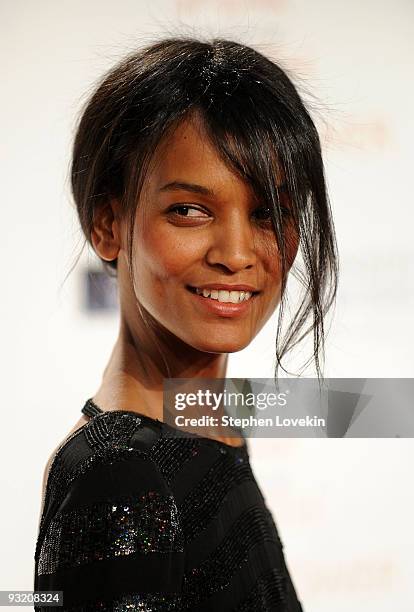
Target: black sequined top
{"points": [[136, 517]]}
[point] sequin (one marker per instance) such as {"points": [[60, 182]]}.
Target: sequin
{"points": [[111, 428], [119, 527], [205, 500], [223, 488], [108, 437], [136, 602], [251, 529], [171, 454], [269, 593]]}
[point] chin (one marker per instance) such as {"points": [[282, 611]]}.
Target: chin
{"points": [[221, 346]]}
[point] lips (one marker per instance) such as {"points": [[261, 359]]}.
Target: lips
{"points": [[224, 296], [224, 287], [219, 308], [229, 288]]}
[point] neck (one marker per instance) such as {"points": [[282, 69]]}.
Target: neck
{"points": [[140, 361]]}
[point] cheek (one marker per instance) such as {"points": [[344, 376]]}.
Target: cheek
{"points": [[161, 259], [272, 260]]}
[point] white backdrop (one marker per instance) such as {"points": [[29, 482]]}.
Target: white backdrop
{"points": [[343, 507]]}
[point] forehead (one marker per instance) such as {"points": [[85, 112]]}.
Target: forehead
{"points": [[188, 154]]}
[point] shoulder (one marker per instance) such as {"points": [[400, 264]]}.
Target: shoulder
{"points": [[110, 453], [73, 432], [106, 435], [110, 515]]}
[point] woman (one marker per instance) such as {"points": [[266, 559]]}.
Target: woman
{"points": [[197, 174]]}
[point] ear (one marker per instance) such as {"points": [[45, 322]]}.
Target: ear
{"points": [[106, 230]]}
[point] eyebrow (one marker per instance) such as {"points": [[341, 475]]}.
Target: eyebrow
{"points": [[200, 189], [193, 187]]}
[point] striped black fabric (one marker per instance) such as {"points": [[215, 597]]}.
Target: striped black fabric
{"points": [[136, 517]]}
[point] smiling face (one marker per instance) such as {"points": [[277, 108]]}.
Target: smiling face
{"points": [[197, 223]]}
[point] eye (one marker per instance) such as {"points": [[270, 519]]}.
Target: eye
{"points": [[183, 210], [264, 213]]}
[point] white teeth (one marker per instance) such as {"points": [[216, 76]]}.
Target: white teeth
{"points": [[233, 297], [223, 296]]}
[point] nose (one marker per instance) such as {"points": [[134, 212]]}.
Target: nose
{"points": [[232, 245]]}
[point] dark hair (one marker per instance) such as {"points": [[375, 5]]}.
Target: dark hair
{"points": [[253, 115]]}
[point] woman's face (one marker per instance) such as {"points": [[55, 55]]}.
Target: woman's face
{"points": [[198, 225]]}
